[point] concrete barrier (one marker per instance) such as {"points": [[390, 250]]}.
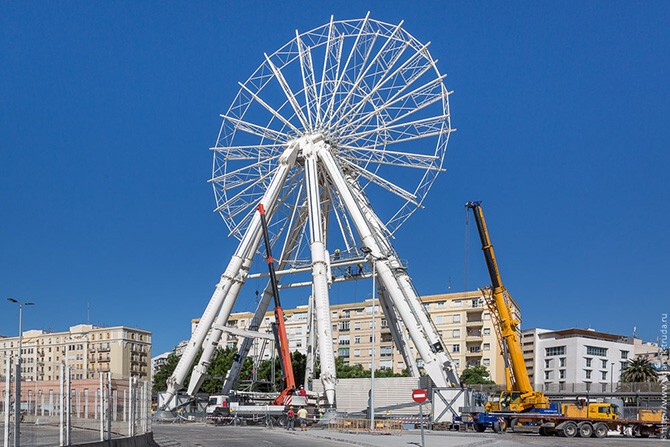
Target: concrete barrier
{"points": [[145, 440]]}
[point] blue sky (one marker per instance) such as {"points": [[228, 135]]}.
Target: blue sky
{"points": [[107, 111]]}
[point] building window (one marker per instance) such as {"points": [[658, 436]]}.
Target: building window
{"points": [[343, 326], [546, 375], [343, 352], [547, 363], [456, 348], [487, 316], [357, 339], [456, 333], [561, 374], [487, 331], [588, 373], [555, 350], [604, 375], [486, 362], [604, 363], [588, 362], [457, 318], [440, 304], [357, 325], [357, 352], [624, 355], [487, 346], [386, 351], [343, 340], [439, 319], [594, 350], [623, 365], [561, 362]]}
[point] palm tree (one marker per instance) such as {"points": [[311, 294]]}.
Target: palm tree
{"points": [[638, 370]]}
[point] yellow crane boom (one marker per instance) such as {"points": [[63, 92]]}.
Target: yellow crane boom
{"points": [[520, 395]]}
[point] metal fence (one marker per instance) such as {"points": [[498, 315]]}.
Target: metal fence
{"points": [[67, 412], [359, 425]]}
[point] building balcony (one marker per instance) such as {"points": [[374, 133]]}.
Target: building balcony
{"points": [[473, 336], [103, 360], [105, 349], [474, 323]]}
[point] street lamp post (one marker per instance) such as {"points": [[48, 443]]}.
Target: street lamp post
{"points": [[17, 376], [372, 360], [612, 377]]}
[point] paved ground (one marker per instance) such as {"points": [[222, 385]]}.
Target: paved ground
{"points": [[201, 435], [38, 435]]}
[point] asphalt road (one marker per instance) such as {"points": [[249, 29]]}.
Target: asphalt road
{"points": [[205, 435], [201, 435]]}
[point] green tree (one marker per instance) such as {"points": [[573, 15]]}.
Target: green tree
{"points": [[476, 375], [165, 371], [217, 371], [638, 370]]}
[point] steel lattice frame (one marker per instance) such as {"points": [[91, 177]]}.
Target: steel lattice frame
{"points": [[350, 113], [370, 88]]}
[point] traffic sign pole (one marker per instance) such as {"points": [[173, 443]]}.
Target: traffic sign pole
{"points": [[419, 396], [423, 442]]}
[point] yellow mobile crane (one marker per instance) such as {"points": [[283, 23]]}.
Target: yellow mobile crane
{"points": [[519, 404], [519, 395]]}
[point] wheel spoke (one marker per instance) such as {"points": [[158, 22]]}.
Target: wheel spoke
{"points": [[257, 130], [270, 109], [374, 178], [287, 91]]}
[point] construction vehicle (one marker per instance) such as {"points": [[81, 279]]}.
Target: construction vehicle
{"points": [[519, 406], [254, 404], [279, 325]]}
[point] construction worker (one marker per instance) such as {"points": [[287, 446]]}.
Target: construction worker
{"points": [[336, 255], [290, 419], [360, 269], [302, 415]]}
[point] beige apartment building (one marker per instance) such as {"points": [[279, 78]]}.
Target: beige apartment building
{"points": [[87, 349], [463, 320]]}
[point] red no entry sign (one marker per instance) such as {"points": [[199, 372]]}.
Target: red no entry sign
{"points": [[419, 396]]}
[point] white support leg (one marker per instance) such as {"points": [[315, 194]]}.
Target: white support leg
{"points": [[212, 342], [426, 340], [405, 285], [319, 273], [398, 333], [311, 344], [230, 276]]}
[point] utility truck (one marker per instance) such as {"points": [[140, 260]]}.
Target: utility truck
{"points": [[521, 408]]}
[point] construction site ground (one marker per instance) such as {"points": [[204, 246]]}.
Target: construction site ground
{"points": [[201, 435]]}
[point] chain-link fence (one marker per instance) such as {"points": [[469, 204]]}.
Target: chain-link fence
{"points": [[71, 411]]}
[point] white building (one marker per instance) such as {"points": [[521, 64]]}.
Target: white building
{"points": [[575, 359]]}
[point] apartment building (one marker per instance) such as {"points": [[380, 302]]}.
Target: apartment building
{"points": [[583, 357], [463, 320], [87, 349]]}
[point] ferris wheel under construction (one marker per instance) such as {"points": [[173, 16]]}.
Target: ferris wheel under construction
{"points": [[339, 135]]}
